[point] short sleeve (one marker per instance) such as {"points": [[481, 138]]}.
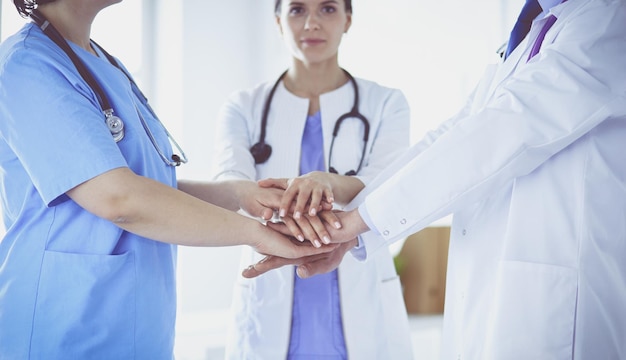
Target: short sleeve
{"points": [[52, 122]]}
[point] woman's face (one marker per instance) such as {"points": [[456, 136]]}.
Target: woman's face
{"points": [[312, 29]]}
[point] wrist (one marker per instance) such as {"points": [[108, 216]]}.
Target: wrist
{"points": [[240, 190], [359, 225]]}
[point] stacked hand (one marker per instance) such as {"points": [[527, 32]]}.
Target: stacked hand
{"points": [[344, 239], [305, 209], [304, 206]]}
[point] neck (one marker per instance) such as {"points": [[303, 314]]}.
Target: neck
{"points": [[310, 82], [72, 20]]}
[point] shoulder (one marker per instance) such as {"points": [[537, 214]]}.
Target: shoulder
{"points": [[252, 95], [374, 89], [31, 39], [608, 11], [375, 93], [248, 102], [30, 53]]}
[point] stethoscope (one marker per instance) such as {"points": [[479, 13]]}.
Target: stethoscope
{"points": [[261, 151], [113, 122]]}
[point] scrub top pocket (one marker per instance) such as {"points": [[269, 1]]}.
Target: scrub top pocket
{"points": [[83, 303]]}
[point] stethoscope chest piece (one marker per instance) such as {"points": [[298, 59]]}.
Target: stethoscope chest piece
{"points": [[115, 125], [261, 152]]}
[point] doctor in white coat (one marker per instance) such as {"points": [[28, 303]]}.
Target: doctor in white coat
{"points": [[356, 312], [534, 170]]}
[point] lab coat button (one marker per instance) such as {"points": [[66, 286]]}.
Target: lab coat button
{"points": [[403, 221], [464, 232], [386, 232]]}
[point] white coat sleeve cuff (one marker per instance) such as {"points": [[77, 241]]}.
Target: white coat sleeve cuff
{"points": [[368, 240]]}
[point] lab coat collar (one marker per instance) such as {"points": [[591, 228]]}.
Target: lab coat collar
{"points": [[332, 93], [547, 6]]}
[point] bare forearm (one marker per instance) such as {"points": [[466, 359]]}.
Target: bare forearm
{"points": [[221, 193], [175, 217], [345, 188], [236, 194], [353, 226], [156, 211]]}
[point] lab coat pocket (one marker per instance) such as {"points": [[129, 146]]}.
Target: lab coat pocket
{"points": [[534, 312], [85, 307]]}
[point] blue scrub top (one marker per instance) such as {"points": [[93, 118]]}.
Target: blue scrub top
{"points": [[72, 285], [316, 323]]}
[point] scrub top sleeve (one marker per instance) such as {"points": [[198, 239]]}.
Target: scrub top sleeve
{"points": [[53, 123]]}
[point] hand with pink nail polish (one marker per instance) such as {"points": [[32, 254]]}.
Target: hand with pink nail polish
{"points": [[313, 193]]}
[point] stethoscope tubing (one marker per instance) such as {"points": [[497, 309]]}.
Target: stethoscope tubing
{"points": [[114, 123], [261, 151]]}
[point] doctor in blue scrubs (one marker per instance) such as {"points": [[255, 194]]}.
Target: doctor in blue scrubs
{"points": [[91, 203]]}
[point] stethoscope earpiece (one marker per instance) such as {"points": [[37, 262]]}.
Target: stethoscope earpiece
{"points": [[261, 152]]}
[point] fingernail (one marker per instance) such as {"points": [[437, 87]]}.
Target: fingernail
{"points": [[337, 225], [281, 213], [312, 212], [302, 272], [300, 238], [296, 215], [326, 240]]}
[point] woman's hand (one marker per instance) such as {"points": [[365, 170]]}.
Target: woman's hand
{"points": [[307, 227], [352, 226], [259, 201], [306, 266], [236, 194], [310, 193], [343, 239], [273, 243]]}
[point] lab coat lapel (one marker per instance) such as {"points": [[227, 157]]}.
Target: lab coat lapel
{"points": [[285, 126], [520, 55], [505, 68]]}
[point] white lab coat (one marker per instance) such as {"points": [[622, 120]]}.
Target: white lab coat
{"points": [[373, 311], [534, 169]]}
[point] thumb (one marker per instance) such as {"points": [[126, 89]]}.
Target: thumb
{"points": [[266, 264], [314, 268], [302, 271], [273, 183]]}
